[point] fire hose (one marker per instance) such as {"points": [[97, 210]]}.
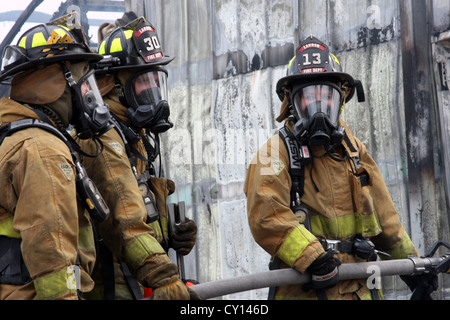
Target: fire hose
{"points": [[363, 270]]}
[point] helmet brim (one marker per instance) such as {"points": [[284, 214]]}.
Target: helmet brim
{"points": [[159, 62], [36, 63], [334, 77]]}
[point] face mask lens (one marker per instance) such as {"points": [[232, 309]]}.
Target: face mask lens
{"points": [[314, 99], [90, 93], [149, 88], [96, 113]]}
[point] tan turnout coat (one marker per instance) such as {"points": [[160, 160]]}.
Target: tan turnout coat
{"points": [[340, 209]]}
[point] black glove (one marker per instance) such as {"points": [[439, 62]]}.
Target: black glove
{"points": [[422, 285], [364, 249], [184, 239], [324, 272]]}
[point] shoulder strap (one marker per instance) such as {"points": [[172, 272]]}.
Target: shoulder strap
{"points": [[297, 156], [351, 147], [18, 125], [355, 156], [127, 134], [94, 202], [71, 143]]}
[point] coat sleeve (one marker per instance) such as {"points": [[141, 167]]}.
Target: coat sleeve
{"points": [[272, 223], [393, 238], [125, 233], [46, 213]]}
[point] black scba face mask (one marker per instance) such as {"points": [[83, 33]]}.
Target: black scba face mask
{"points": [[91, 113], [317, 108], [146, 94]]}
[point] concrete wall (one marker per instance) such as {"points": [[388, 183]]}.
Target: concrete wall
{"points": [[229, 56]]}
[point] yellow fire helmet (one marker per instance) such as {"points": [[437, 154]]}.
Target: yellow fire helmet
{"points": [[137, 46], [45, 44]]}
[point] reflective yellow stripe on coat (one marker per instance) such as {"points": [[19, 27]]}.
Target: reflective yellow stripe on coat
{"points": [[139, 249]]}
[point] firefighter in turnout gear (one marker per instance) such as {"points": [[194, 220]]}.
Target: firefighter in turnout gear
{"points": [[316, 199], [133, 80], [47, 248]]}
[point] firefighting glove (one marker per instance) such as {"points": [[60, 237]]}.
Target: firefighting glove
{"points": [[161, 274], [175, 290], [324, 272], [422, 285], [184, 239]]}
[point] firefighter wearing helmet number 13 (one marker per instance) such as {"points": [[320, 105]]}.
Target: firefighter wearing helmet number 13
{"points": [[315, 197], [133, 82]]}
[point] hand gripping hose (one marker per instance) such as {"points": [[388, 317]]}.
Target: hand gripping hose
{"points": [[363, 270]]}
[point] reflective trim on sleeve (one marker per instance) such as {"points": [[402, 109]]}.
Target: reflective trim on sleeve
{"points": [[56, 284], [139, 249], [368, 225], [294, 245], [7, 230], [161, 228], [86, 238], [404, 248], [157, 229], [165, 226]]}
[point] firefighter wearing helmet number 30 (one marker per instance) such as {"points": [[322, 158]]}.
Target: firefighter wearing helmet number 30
{"points": [[133, 82], [315, 197]]}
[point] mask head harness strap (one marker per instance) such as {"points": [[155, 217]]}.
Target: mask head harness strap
{"points": [[120, 91]]}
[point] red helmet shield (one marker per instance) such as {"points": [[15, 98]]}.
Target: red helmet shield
{"points": [[147, 42]]}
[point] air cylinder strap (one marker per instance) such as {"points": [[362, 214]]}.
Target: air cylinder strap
{"points": [[296, 168]]}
